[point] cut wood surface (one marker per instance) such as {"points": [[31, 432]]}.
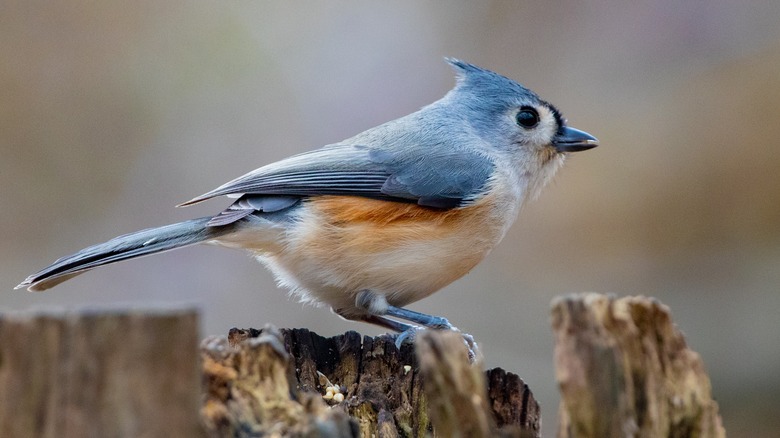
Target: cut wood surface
{"points": [[382, 391], [624, 369]]}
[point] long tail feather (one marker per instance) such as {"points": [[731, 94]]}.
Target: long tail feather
{"points": [[128, 246]]}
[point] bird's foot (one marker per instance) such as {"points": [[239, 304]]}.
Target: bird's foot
{"points": [[409, 336]]}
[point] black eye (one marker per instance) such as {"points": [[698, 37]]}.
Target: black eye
{"points": [[527, 117]]}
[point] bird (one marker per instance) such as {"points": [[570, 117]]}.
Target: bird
{"points": [[371, 224]]}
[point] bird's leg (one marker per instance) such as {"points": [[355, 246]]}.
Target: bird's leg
{"points": [[373, 308], [425, 320], [405, 331], [377, 309], [387, 323], [431, 322], [376, 304]]}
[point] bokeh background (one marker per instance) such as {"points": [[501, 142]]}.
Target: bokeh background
{"points": [[113, 112]]}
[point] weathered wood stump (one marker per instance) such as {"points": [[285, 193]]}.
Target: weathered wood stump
{"points": [[100, 374], [624, 369], [273, 382]]}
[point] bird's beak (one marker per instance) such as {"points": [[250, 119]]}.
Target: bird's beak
{"points": [[574, 140]]}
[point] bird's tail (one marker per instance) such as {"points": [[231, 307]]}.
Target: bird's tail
{"points": [[128, 246]]}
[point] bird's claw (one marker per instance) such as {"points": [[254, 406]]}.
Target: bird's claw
{"points": [[439, 323], [409, 336], [471, 346]]}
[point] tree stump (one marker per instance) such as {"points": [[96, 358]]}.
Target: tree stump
{"points": [[625, 370], [276, 382], [100, 374], [622, 366]]}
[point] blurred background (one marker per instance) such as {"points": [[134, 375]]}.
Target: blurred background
{"points": [[111, 113]]}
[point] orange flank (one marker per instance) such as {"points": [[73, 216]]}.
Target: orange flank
{"points": [[336, 234], [375, 225], [352, 209]]}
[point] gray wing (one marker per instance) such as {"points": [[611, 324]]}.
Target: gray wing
{"points": [[438, 178]]}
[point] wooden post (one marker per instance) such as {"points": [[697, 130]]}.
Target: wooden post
{"points": [[624, 369], [99, 374]]}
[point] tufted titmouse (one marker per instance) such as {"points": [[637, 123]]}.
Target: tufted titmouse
{"points": [[385, 218]]}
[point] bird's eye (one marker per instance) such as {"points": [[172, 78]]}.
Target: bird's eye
{"points": [[527, 117]]}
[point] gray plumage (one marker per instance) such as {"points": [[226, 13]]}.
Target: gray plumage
{"points": [[420, 158], [124, 247], [481, 150]]}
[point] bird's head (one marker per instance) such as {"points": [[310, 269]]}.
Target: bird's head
{"points": [[515, 121]]}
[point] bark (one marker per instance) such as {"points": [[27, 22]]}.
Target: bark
{"points": [[99, 374], [386, 392], [624, 369]]}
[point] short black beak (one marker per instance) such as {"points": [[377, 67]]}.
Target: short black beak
{"points": [[574, 140]]}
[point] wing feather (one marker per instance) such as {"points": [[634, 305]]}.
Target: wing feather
{"points": [[441, 180]]}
